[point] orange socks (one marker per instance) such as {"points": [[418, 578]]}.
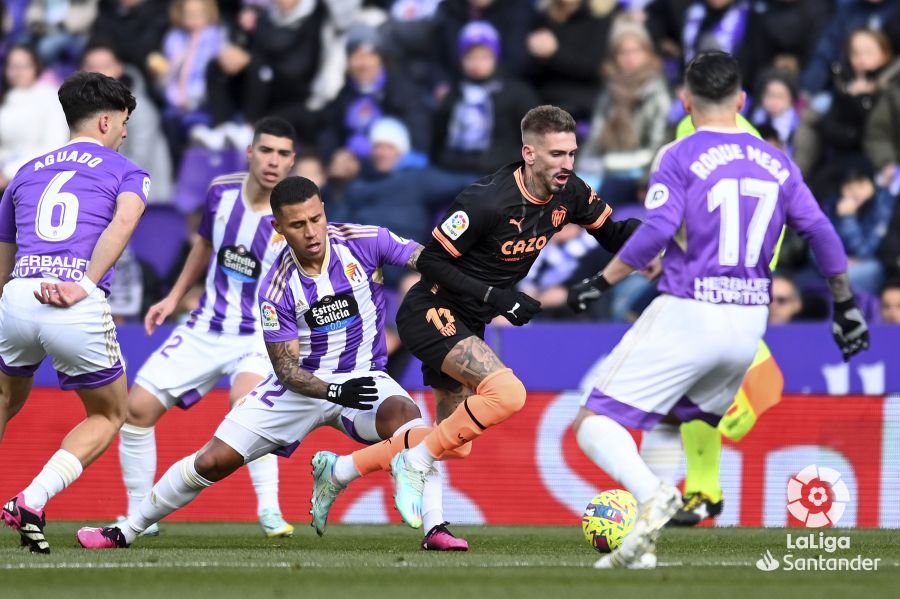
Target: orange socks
{"points": [[498, 397], [378, 457]]}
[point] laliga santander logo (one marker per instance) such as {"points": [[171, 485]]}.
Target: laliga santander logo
{"points": [[817, 496]]}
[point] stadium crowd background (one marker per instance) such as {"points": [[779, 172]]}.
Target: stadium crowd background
{"points": [[399, 104]]}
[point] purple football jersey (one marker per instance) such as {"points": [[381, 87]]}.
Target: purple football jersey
{"points": [[338, 316], [717, 203], [58, 205]]}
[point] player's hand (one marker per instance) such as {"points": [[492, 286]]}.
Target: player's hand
{"points": [[516, 307], [358, 393], [158, 313], [849, 328], [587, 291], [61, 295]]}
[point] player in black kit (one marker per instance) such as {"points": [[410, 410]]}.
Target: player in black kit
{"points": [[483, 247]]}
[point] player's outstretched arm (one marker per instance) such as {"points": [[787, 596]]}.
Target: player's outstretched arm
{"points": [[355, 393], [110, 245], [613, 234], [194, 267], [848, 323], [435, 265]]}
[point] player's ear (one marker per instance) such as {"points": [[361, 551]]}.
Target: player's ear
{"points": [[685, 96], [275, 224], [741, 100], [528, 154]]}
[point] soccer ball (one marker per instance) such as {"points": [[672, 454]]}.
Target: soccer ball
{"points": [[608, 519]]}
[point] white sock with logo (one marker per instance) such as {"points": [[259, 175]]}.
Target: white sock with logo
{"points": [[60, 471], [609, 445], [137, 455], [433, 500]]}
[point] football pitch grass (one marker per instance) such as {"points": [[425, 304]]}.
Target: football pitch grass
{"points": [[233, 560]]}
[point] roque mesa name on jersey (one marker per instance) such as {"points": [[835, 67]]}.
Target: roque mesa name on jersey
{"points": [[332, 312]]}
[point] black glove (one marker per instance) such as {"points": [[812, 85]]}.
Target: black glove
{"points": [[849, 328], [588, 290], [515, 306], [358, 393]]}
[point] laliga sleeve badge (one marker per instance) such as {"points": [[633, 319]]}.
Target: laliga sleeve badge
{"points": [[455, 225], [269, 317]]}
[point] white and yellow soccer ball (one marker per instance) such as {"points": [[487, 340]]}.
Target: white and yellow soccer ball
{"points": [[608, 519]]}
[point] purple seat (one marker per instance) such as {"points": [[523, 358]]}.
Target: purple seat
{"points": [[199, 166], [160, 237]]}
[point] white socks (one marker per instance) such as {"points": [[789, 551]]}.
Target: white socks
{"points": [[264, 476], [420, 458], [177, 488], [345, 471], [610, 446], [432, 501], [58, 473], [661, 451], [137, 455]]}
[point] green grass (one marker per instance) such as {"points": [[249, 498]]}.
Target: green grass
{"points": [[370, 562]]}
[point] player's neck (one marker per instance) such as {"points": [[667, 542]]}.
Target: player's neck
{"points": [[715, 120], [256, 196], [82, 137], [533, 185]]}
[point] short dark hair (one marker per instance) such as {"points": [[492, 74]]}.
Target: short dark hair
{"points": [[273, 125], [713, 76], [547, 119], [292, 190], [83, 95]]}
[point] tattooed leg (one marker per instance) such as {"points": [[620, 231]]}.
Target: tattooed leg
{"points": [[471, 361]]}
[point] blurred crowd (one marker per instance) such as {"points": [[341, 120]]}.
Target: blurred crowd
{"points": [[399, 104]]}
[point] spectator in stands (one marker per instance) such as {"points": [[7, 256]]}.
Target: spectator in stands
{"points": [[397, 189], [714, 25], [31, 118], [372, 90], [782, 34], [408, 39], [60, 27], [881, 139], [510, 17], [566, 43], [477, 125], [890, 303], [193, 41], [850, 15], [861, 213], [629, 122], [787, 303], [776, 93], [145, 145], [134, 27], [838, 135]]}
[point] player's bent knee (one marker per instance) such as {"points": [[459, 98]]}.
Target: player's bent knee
{"points": [[505, 394], [393, 413], [217, 460]]}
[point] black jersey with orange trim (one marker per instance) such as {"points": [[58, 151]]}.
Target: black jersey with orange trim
{"points": [[495, 230]]}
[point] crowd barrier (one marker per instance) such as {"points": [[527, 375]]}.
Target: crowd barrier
{"points": [[530, 470]]}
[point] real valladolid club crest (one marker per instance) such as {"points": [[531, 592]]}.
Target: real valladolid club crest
{"points": [[558, 216], [817, 496]]}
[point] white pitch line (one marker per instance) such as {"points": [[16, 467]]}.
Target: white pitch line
{"points": [[293, 565]]}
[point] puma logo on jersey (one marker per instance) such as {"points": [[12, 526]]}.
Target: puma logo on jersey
{"points": [[517, 223]]}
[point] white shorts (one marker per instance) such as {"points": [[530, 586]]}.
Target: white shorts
{"points": [[81, 339], [191, 362], [683, 357], [271, 416]]}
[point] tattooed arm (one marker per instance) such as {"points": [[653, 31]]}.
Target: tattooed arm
{"points": [[285, 357]]}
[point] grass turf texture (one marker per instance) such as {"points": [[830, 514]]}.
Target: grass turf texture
{"points": [[234, 560]]}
